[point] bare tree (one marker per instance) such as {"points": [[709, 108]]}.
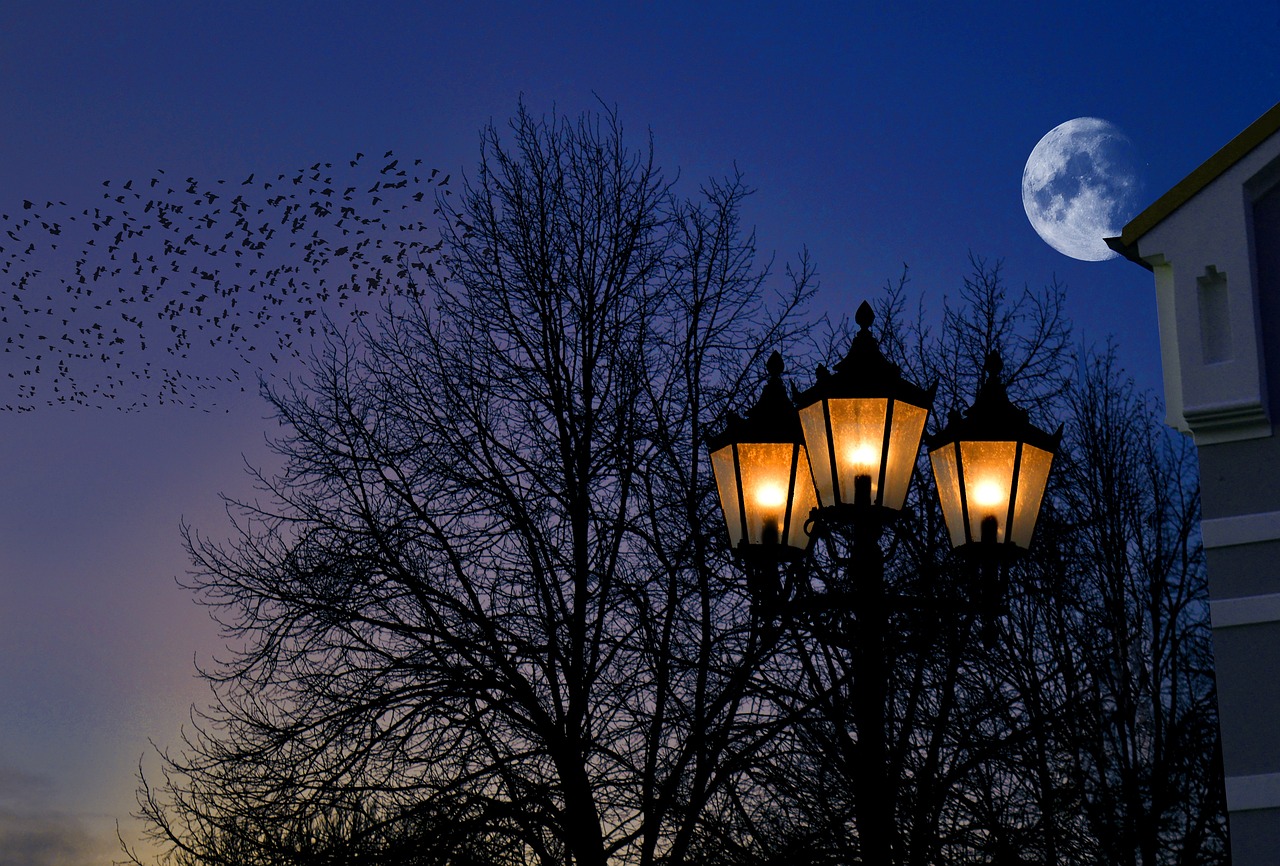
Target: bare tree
{"points": [[487, 589], [1086, 728], [1096, 713], [1146, 745], [1060, 711]]}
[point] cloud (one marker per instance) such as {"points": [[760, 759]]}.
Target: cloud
{"points": [[19, 786], [51, 839], [33, 834]]}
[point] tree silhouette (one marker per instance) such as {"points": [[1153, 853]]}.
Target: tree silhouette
{"points": [[1079, 725], [490, 581]]}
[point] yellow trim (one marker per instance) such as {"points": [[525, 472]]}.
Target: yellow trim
{"points": [[1183, 191]]}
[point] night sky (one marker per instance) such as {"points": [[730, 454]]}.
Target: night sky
{"points": [[875, 134]]}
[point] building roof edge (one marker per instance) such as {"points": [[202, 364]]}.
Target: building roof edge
{"points": [[1187, 188]]}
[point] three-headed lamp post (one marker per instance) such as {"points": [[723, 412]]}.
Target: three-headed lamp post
{"points": [[835, 461]]}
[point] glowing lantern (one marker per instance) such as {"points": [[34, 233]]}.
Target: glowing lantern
{"points": [[762, 475], [991, 466], [862, 425]]}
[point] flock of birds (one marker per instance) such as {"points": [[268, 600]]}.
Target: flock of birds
{"points": [[169, 292]]}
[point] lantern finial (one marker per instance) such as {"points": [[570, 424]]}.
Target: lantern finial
{"points": [[994, 366], [774, 410], [864, 316], [864, 358], [774, 365]]}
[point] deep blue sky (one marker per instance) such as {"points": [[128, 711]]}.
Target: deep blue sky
{"points": [[875, 133]]}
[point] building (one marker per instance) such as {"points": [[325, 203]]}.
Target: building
{"points": [[1213, 244]]}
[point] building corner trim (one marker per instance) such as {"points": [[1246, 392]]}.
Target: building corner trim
{"points": [[1241, 529], [1249, 793]]}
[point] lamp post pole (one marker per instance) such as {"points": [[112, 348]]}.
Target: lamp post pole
{"points": [[876, 794]]}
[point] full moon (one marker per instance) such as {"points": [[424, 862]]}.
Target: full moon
{"points": [[1082, 183]]}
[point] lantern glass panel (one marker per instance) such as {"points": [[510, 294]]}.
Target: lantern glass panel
{"points": [[1033, 475], [857, 431], [988, 480], [768, 470], [814, 422], [947, 479], [722, 464], [904, 445]]}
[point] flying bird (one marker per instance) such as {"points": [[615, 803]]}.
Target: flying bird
{"points": [[167, 296]]}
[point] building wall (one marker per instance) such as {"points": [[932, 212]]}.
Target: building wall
{"points": [[1215, 253], [1240, 491], [1211, 335]]}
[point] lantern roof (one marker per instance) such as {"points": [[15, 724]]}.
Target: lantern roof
{"points": [[993, 417], [865, 372], [772, 419]]}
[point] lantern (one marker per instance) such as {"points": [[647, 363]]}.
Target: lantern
{"points": [[991, 466], [862, 425], [762, 475]]}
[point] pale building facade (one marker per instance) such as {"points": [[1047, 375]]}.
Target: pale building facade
{"points": [[1213, 244]]}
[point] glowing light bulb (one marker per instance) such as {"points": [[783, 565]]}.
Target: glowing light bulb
{"points": [[772, 500], [988, 494], [771, 496], [863, 456]]}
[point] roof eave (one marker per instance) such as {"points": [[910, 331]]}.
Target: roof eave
{"points": [[1129, 251], [1187, 188]]}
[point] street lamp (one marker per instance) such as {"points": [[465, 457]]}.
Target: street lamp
{"points": [[763, 478], [991, 465], [837, 463], [863, 425]]}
